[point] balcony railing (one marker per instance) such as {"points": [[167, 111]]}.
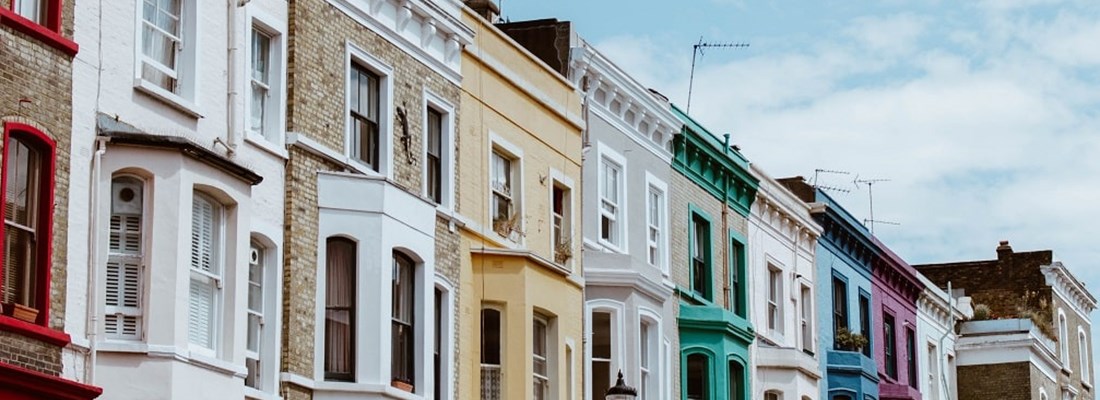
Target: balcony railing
{"points": [[490, 382]]}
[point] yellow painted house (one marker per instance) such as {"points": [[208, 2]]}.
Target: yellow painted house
{"points": [[519, 141]]}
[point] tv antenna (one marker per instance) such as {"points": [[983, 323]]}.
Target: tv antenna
{"points": [[870, 222], [827, 187], [698, 49]]}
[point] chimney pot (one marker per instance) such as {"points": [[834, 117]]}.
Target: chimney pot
{"points": [[1003, 250]]}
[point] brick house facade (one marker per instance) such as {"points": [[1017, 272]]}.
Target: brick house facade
{"points": [[405, 55], [1033, 297]]}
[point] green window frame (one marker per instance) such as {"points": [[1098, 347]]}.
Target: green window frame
{"points": [[700, 223], [738, 296]]}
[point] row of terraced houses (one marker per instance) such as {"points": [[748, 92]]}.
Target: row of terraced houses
{"points": [[405, 199]]}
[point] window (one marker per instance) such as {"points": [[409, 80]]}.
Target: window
{"points": [[206, 270], [490, 354], [166, 45], [1083, 355], [433, 162], [840, 305], [35, 10], [700, 256], [806, 320], [560, 217], [865, 322], [28, 209], [1063, 339], [601, 353], [842, 397], [647, 338], [655, 206], [403, 341], [890, 344], [437, 359], [260, 121], [911, 357], [610, 197], [539, 358], [698, 380], [125, 260], [737, 293], [257, 297], [933, 372], [737, 384], [365, 98], [775, 295], [340, 262], [504, 210], [772, 395]]}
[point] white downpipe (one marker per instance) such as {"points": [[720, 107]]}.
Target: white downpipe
{"points": [[92, 329], [231, 107]]}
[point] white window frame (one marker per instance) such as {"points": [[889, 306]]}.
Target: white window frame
{"points": [[137, 312], [560, 179], [655, 185], [269, 339], [774, 300], [357, 55], [1063, 339], [447, 149], [216, 277], [618, 242], [186, 71], [651, 386], [447, 338], [617, 312], [806, 317], [498, 144], [273, 137]]}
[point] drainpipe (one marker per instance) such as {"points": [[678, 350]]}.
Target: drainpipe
{"points": [[92, 327], [725, 231], [940, 350], [231, 107]]}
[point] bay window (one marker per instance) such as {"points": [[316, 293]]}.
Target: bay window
{"points": [[403, 342], [255, 316], [206, 271], [125, 260], [602, 339], [491, 336], [540, 358]]}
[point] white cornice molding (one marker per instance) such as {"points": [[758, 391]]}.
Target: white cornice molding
{"points": [[1066, 285], [628, 278], [421, 28], [655, 114], [1006, 348], [779, 209]]}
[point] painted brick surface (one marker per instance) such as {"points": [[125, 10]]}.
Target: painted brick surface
{"points": [[36, 89]]}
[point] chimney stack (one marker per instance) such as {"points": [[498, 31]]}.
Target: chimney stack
{"points": [[487, 9], [1003, 250]]}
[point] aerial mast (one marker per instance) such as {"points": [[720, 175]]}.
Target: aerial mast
{"points": [[698, 49]]}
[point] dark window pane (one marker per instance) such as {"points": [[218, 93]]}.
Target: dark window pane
{"points": [[340, 309], [697, 379], [490, 336]]}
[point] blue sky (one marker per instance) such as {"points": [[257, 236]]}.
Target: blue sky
{"points": [[984, 115]]}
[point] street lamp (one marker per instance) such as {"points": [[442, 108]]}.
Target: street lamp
{"points": [[621, 391]]}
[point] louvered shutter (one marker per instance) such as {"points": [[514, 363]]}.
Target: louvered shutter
{"points": [[124, 262], [204, 273]]}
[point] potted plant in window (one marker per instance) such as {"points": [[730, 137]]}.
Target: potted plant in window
{"points": [[849, 341], [563, 251], [402, 385], [21, 312], [507, 227]]}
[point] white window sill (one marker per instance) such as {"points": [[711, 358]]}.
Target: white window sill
{"points": [[612, 247], [186, 356], [168, 98], [312, 146], [262, 143], [1086, 385], [338, 389], [253, 394]]}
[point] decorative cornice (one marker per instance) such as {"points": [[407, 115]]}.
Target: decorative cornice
{"points": [[718, 169], [716, 319], [431, 32], [897, 274], [779, 209], [1065, 284], [652, 124]]}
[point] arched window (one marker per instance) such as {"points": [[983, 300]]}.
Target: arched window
{"points": [[340, 256], [403, 365], [261, 302], [737, 380], [698, 377], [28, 211], [602, 340], [1063, 338], [773, 395], [1083, 355], [125, 257]]}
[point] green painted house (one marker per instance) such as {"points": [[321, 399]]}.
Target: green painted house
{"points": [[712, 191]]}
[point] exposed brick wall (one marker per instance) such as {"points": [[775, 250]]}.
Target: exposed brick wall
{"points": [[684, 192], [1016, 273], [37, 82], [317, 71], [996, 381]]}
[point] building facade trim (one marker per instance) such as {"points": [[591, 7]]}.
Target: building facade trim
{"points": [[715, 167]]}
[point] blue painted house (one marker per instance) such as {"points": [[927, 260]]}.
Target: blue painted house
{"points": [[845, 253]]}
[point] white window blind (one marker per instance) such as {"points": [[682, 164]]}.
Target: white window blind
{"points": [[205, 272], [125, 261]]}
